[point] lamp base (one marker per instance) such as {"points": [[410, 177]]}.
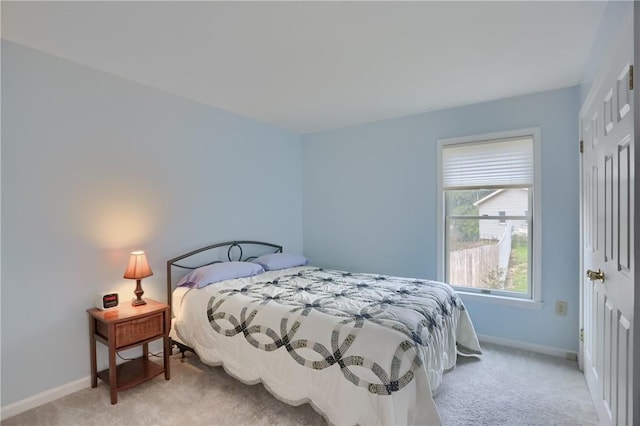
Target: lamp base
{"points": [[138, 302]]}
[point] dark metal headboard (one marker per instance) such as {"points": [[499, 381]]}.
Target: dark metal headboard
{"points": [[234, 252]]}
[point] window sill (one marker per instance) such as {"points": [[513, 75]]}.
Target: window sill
{"points": [[500, 300]]}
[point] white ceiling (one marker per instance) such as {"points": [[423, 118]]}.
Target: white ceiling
{"points": [[309, 66]]}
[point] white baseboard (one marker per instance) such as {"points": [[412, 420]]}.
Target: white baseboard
{"points": [[548, 350], [44, 397]]}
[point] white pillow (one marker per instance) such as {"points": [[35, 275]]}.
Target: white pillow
{"points": [[217, 272], [274, 261]]}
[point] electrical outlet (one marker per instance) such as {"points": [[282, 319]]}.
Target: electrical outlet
{"points": [[561, 308]]}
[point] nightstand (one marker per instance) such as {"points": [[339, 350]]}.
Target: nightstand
{"points": [[124, 328]]}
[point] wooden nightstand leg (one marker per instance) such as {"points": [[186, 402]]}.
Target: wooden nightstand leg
{"points": [[92, 348], [167, 344], [167, 354], [113, 372]]}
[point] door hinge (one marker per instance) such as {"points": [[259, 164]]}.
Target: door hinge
{"points": [[630, 77], [581, 147], [582, 334]]}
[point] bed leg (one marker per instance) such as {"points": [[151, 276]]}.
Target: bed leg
{"points": [[183, 350]]}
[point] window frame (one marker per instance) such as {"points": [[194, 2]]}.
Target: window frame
{"points": [[534, 297]]}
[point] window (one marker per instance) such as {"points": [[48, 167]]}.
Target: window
{"points": [[502, 213], [488, 187]]}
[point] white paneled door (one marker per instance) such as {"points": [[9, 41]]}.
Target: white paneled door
{"points": [[607, 292]]}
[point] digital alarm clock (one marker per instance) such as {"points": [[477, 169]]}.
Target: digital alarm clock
{"points": [[107, 301]]}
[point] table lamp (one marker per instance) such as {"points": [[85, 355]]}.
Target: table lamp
{"points": [[137, 270]]}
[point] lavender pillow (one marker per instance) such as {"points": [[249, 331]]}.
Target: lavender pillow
{"points": [[217, 272], [273, 261]]}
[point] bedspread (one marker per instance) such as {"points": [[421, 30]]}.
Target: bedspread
{"points": [[361, 348]]}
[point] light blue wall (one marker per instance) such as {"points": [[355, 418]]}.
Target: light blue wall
{"points": [[370, 195], [94, 166]]}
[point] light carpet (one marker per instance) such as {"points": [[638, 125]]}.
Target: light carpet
{"points": [[506, 387]]}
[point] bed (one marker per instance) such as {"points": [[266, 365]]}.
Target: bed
{"points": [[360, 348]]}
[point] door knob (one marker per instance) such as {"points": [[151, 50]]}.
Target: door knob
{"points": [[595, 275]]}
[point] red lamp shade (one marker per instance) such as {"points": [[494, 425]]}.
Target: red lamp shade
{"points": [[138, 268]]}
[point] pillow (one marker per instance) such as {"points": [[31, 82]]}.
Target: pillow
{"points": [[273, 261], [216, 272]]}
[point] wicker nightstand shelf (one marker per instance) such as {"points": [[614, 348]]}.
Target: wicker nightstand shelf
{"points": [[125, 328]]}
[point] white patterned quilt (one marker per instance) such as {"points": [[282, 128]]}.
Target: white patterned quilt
{"points": [[361, 348]]}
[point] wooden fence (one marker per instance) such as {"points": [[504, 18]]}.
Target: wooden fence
{"points": [[483, 266], [469, 267]]}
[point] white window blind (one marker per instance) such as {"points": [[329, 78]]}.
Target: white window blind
{"points": [[504, 162]]}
